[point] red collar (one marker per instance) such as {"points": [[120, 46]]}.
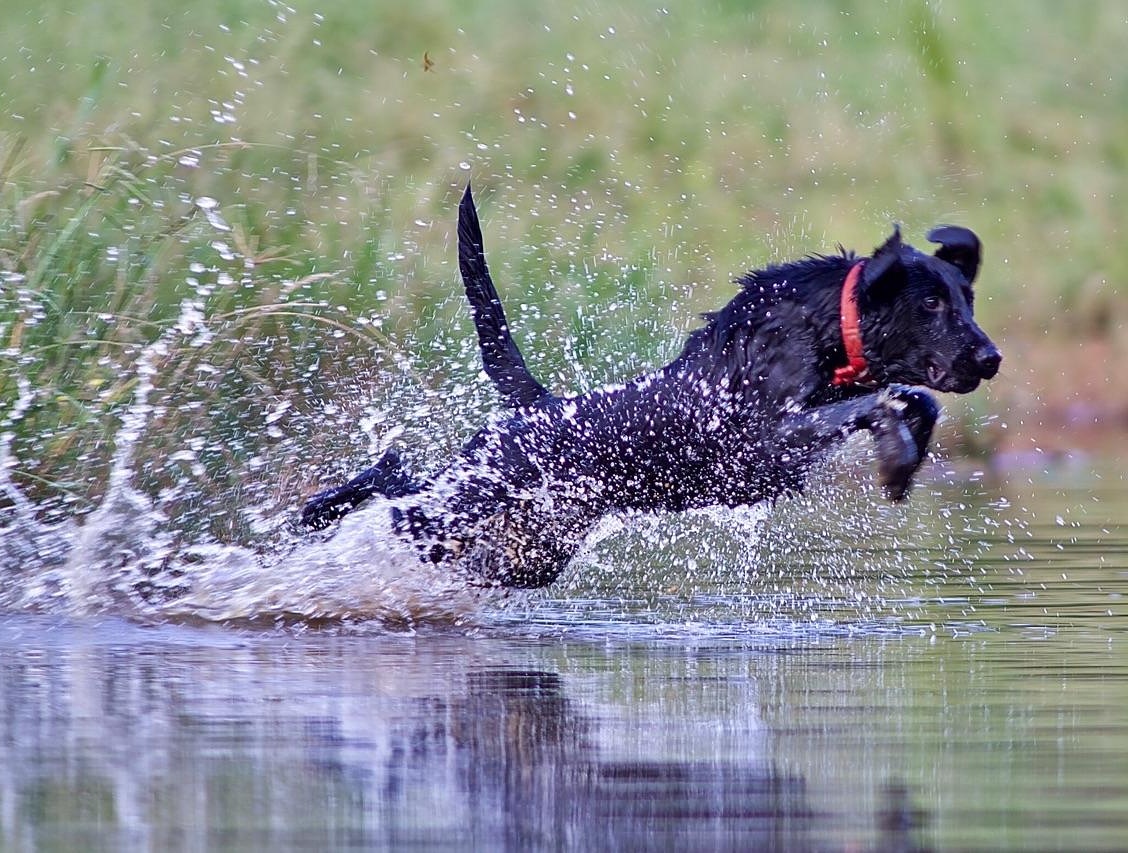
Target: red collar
{"points": [[855, 369]]}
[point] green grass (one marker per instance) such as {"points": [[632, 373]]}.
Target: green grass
{"points": [[629, 160]]}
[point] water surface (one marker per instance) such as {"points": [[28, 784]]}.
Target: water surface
{"points": [[962, 687]]}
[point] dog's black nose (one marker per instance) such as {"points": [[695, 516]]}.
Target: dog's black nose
{"points": [[987, 360]]}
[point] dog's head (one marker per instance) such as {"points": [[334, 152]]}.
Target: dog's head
{"points": [[917, 314]]}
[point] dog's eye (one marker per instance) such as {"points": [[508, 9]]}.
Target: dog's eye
{"points": [[933, 303]]}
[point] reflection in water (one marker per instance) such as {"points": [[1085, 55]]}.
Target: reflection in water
{"points": [[205, 739], [529, 767]]}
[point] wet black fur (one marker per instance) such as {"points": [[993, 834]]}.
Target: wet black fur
{"points": [[739, 417]]}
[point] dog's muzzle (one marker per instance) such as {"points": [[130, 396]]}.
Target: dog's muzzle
{"points": [[987, 360], [966, 372]]}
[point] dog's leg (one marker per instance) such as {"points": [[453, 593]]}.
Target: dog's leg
{"points": [[503, 525], [902, 430], [516, 547], [901, 421], [387, 477]]}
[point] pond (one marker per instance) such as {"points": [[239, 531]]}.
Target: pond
{"points": [[962, 687]]}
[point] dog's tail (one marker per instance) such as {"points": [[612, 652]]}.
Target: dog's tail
{"points": [[503, 361]]}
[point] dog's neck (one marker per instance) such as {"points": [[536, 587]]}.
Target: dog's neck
{"points": [[855, 371], [798, 301]]}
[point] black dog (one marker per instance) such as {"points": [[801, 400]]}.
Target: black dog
{"points": [[806, 353]]}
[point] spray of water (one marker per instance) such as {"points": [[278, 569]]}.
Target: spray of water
{"points": [[715, 574], [148, 547]]}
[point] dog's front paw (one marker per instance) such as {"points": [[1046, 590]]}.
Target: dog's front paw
{"points": [[898, 456], [917, 408], [902, 428]]}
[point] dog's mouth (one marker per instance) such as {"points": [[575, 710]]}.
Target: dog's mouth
{"points": [[936, 375], [940, 378]]}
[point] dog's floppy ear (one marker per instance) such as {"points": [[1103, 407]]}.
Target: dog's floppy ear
{"points": [[884, 273], [959, 247]]}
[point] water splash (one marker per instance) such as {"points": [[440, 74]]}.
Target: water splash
{"points": [[123, 560], [802, 567], [128, 558], [125, 530], [31, 548], [709, 575], [362, 572]]}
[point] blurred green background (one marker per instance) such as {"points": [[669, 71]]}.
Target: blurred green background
{"points": [[281, 179]]}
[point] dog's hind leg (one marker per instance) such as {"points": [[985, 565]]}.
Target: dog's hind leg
{"points": [[521, 543], [387, 477], [503, 362]]}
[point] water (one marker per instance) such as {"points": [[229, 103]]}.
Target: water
{"points": [[963, 688], [257, 299], [181, 669]]}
